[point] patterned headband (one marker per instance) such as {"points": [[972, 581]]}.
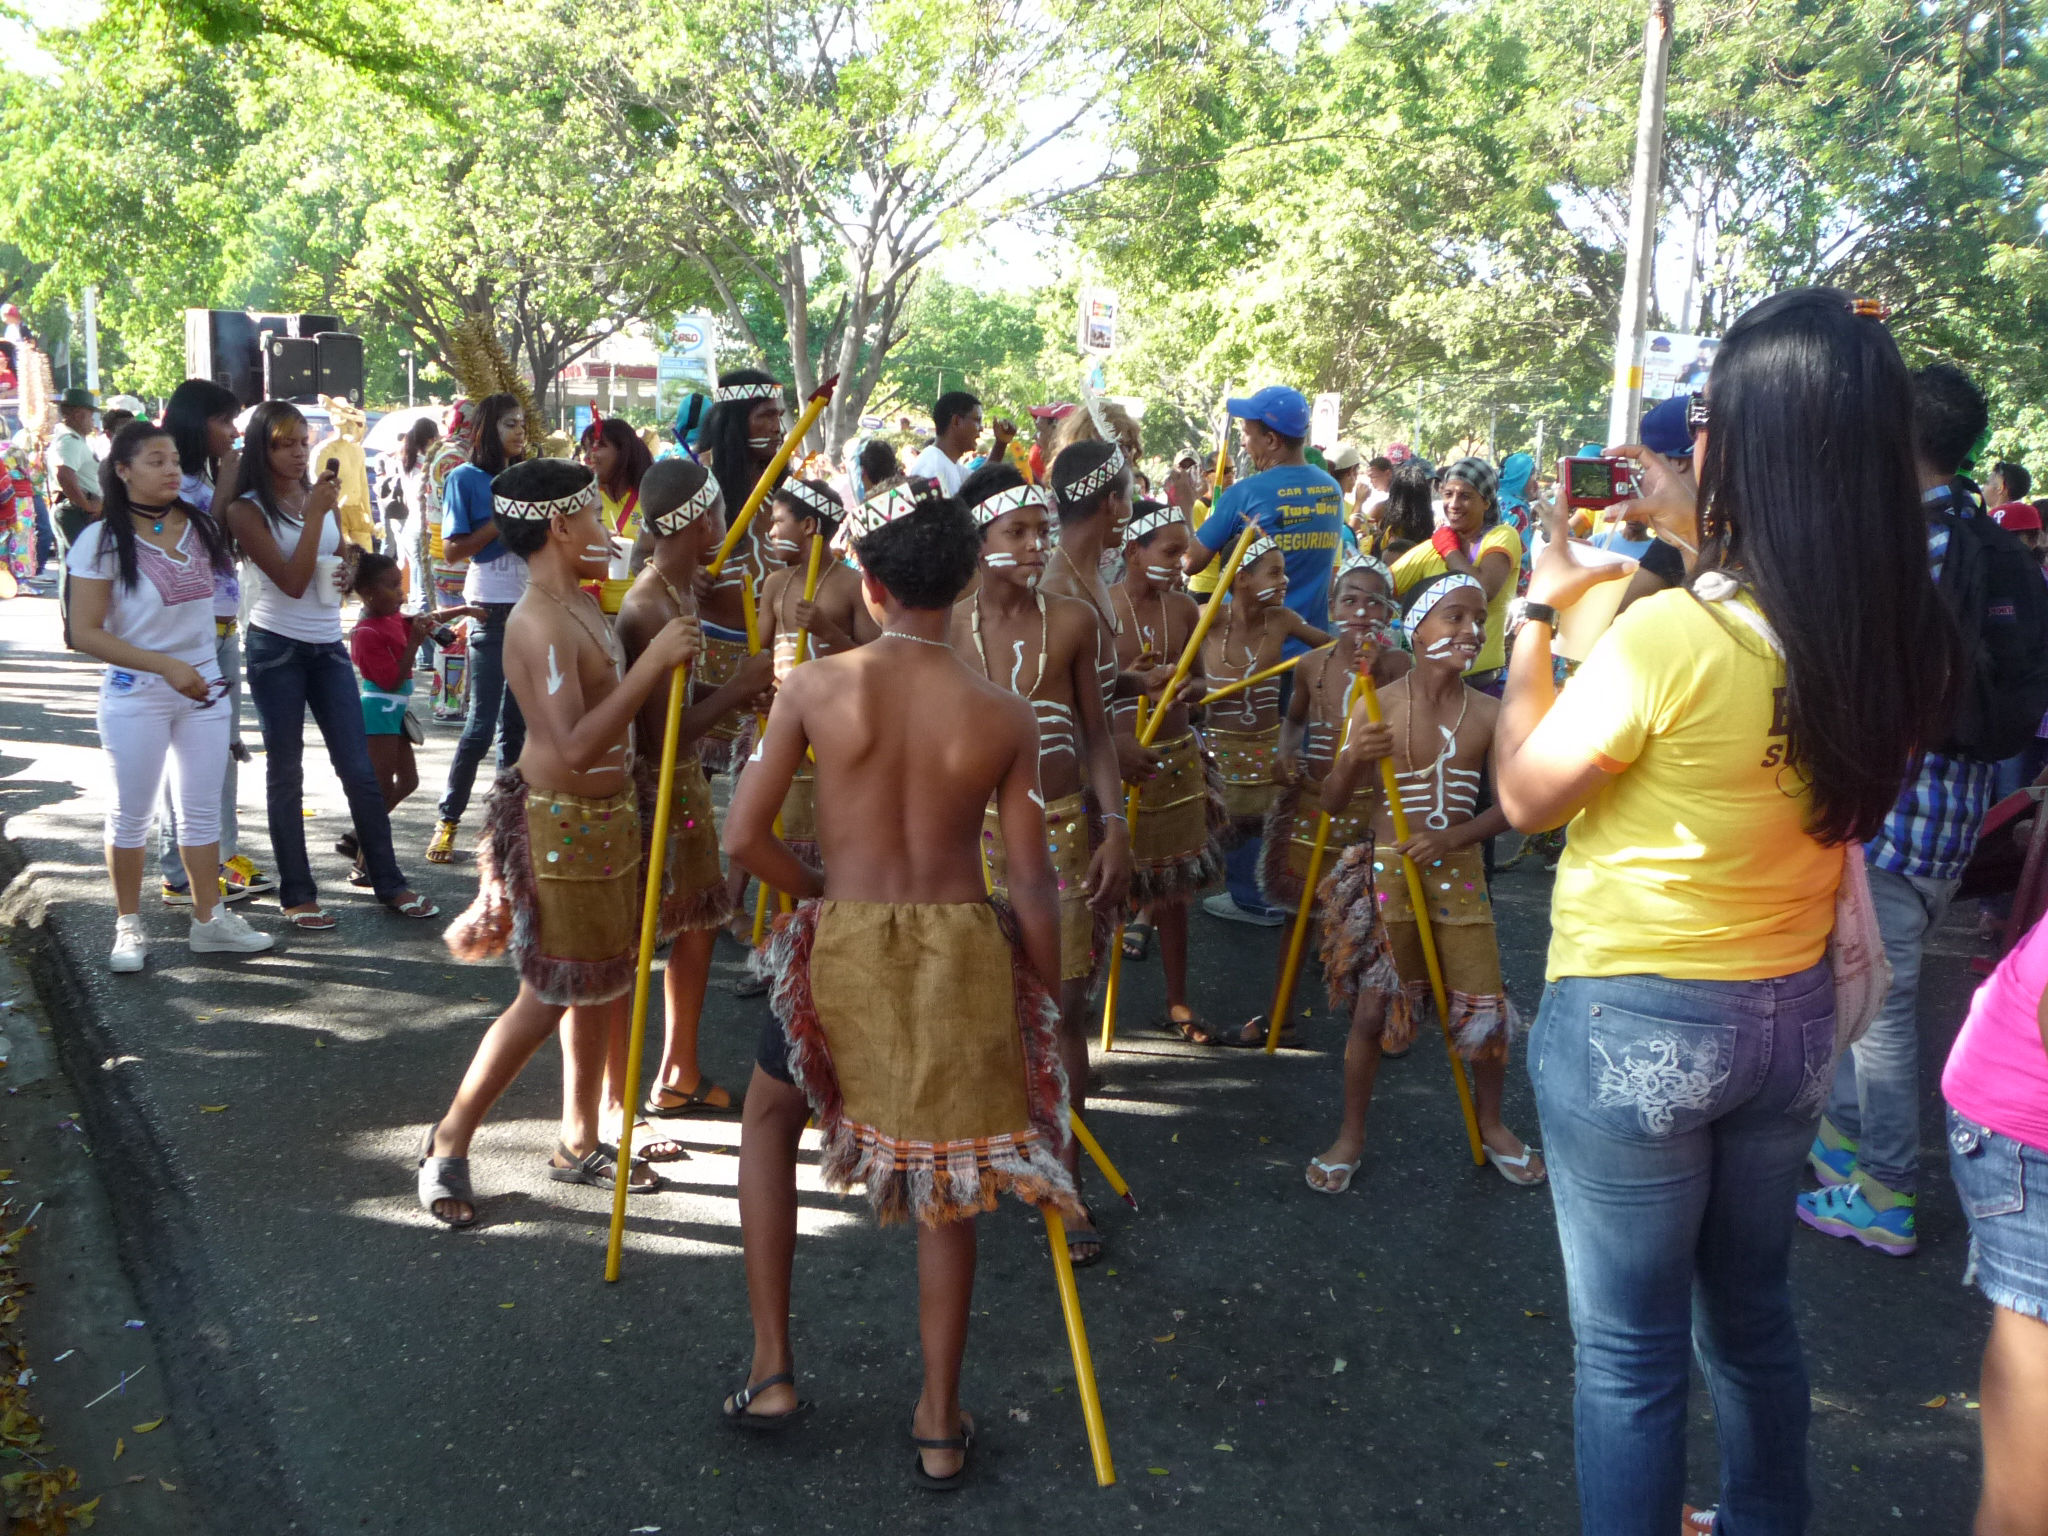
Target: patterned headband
{"points": [[541, 511], [1098, 477], [1433, 594], [897, 501], [1359, 560], [692, 507], [825, 506], [1256, 551], [726, 393], [992, 507], [1145, 524]]}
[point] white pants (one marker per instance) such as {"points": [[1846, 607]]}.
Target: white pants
{"points": [[142, 720]]}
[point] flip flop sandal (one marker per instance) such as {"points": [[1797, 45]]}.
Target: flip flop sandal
{"points": [[444, 1178], [663, 1149], [599, 1167], [1137, 941], [1085, 1236], [1194, 1029], [421, 907], [696, 1102], [1516, 1169], [734, 1409], [315, 921], [360, 879], [964, 1444], [1337, 1175]]}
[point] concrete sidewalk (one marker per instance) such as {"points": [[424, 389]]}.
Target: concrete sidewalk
{"points": [[1393, 1360]]}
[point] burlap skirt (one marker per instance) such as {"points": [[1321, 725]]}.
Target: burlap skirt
{"points": [[559, 887], [1290, 838], [1369, 892], [928, 1047], [693, 890], [1176, 837], [724, 747], [1247, 763], [1084, 936], [800, 814]]}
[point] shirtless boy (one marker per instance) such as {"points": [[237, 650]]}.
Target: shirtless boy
{"points": [[1439, 733], [559, 868], [681, 506], [1091, 483], [910, 744], [1048, 649], [837, 620]]}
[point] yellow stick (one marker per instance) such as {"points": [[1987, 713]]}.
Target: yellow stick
{"points": [[1077, 1341], [1094, 1150], [1116, 953], [650, 922], [1420, 903], [1260, 676], [1304, 913], [1222, 450], [1210, 609], [803, 636]]}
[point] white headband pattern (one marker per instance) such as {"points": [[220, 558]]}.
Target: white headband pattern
{"points": [[725, 394], [897, 501], [817, 501], [1434, 593], [541, 511], [692, 507], [1145, 524], [1098, 477], [992, 507], [1255, 551], [1359, 560]]}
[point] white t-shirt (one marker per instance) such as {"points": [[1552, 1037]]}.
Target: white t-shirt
{"points": [[315, 615], [933, 464], [170, 607], [70, 451]]}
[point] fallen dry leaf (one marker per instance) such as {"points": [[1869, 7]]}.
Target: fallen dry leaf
{"points": [[1157, 1471], [1162, 1338], [211, 1109], [1939, 1400], [167, 1487], [143, 1429], [120, 1445]]}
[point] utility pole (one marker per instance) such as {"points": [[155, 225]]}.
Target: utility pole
{"points": [[1492, 434], [406, 353], [92, 339], [1623, 404]]}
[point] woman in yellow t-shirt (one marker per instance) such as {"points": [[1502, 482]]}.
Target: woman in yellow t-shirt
{"points": [[1720, 756], [1473, 541], [617, 455]]}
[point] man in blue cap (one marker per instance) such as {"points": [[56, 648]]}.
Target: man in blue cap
{"points": [[1665, 431], [1301, 508]]}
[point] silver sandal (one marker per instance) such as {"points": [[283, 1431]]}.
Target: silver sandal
{"points": [[444, 1178]]}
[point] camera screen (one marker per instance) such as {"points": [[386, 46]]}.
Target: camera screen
{"points": [[1592, 477]]}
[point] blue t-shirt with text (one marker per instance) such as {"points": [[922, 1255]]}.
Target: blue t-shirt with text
{"points": [[1302, 509]]}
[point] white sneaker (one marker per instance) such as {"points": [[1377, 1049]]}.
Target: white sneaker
{"points": [[228, 933], [130, 947]]}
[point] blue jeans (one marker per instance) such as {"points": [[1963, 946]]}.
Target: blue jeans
{"points": [[1676, 1117], [286, 678], [492, 712], [227, 650], [1876, 1100]]}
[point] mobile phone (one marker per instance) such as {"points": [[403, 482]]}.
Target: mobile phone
{"points": [[333, 468], [1598, 482]]}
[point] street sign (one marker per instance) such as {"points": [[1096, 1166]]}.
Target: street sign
{"points": [[1097, 332]]}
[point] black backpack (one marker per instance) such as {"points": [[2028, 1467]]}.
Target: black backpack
{"points": [[1995, 590]]}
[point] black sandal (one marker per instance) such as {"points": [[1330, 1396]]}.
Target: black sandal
{"points": [[1137, 940], [734, 1409], [600, 1166], [963, 1443], [696, 1102], [1086, 1237]]}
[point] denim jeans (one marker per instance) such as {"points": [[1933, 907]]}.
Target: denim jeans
{"points": [[492, 712], [286, 678], [1676, 1117], [227, 650], [1876, 1099]]}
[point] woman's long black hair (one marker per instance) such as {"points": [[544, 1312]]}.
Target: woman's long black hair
{"points": [[1808, 496], [192, 405], [633, 454], [723, 438], [422, 432], [486, 450], [253, 482], [115, 505], [1409, 518]]}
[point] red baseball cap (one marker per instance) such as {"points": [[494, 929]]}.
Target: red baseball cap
{"points": [[2017, 517]]}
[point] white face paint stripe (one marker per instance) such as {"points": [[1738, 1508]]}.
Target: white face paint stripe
{"points": [[1017, 664], [555, 677]]}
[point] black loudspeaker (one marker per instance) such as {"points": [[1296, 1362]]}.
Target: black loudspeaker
{"points": [[221, 345], [291, 367], [310, 326], [340, 365]]}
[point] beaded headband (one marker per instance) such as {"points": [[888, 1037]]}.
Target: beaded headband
{"points": [[1433, 594], [825, 506], [541, 511], [1098, 477], [692, 507], [1145, 524], [989, 508], [1255, 551], [726, 393], [1359, 560]]}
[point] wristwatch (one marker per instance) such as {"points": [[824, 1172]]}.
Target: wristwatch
{"points": [[1539, 613]]}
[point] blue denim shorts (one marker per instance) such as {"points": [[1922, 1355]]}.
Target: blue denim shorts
{"points": [[2004, 1188]]}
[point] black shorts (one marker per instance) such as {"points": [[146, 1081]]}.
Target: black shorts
{"points": [[772, 1055]]}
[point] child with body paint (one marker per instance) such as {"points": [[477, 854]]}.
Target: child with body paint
{"points": [[1439, 732]]}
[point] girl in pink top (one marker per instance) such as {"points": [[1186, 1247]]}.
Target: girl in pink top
{"points": [[1996, 1084]]}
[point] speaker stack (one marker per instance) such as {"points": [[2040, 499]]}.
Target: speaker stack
{"points": [[265, 356]]}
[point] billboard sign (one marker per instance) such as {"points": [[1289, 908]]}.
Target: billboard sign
{"points": [[1676, 364], [688, 363]]}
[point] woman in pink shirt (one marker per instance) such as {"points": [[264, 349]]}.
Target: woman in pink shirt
{"points": [[1996, 1084]]}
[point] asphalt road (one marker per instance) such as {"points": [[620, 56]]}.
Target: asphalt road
{"points": [[1393, 1360]]}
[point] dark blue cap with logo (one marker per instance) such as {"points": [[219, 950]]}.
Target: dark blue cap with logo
{"points": [[1665, 431]]}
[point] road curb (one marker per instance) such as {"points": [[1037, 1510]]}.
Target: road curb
{"points": [[229, 1449]]}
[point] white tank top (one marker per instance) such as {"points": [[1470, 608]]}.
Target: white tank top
{"points": [[315, 615]]}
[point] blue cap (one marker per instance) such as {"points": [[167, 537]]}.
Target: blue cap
{"points": [[1664, 429], [1276, 406]]}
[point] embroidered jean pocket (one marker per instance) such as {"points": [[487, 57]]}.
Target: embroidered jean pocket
{"points": [[1817, 1068], [1651, 1078], [1986, 1167]]}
